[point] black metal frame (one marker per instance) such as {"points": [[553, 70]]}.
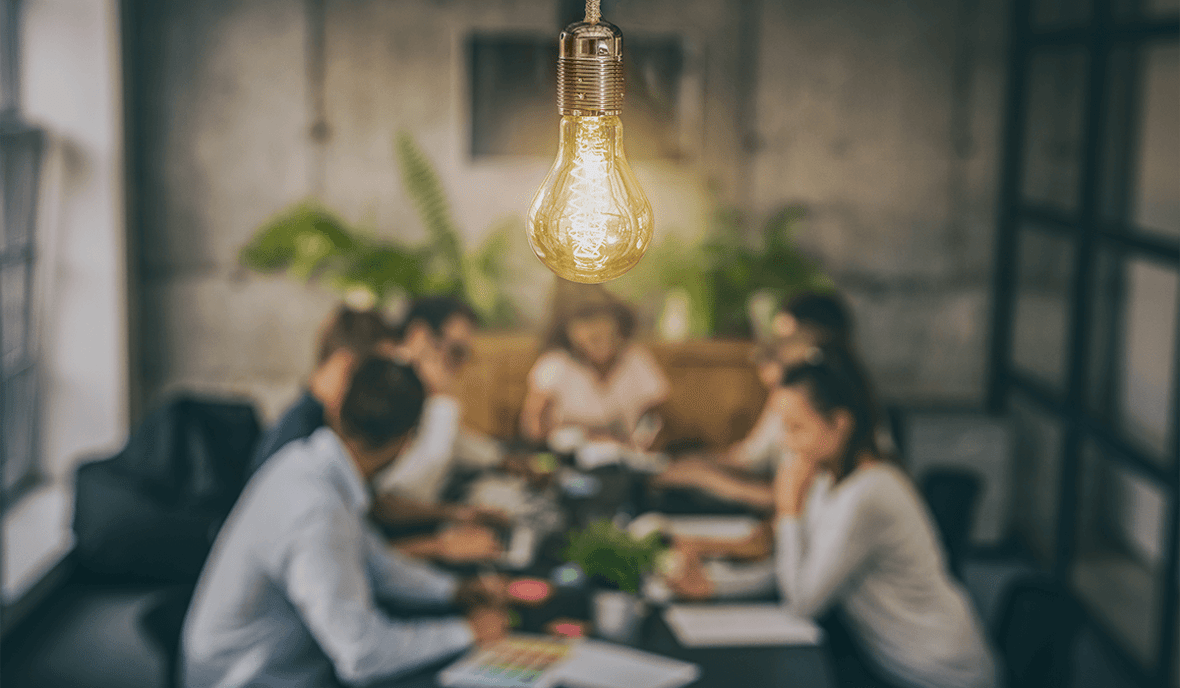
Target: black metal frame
{"points": [[1090, 231], [18, 139]]}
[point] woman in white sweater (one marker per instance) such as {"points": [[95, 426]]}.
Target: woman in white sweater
{"points": [[866, 544]]}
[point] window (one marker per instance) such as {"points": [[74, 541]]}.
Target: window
{"points": [[20, 157], [1087, 309]]}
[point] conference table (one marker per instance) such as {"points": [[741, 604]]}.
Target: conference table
{"points": [[723, 667]]}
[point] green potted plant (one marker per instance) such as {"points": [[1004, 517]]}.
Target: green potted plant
{"points": [[728, 282], [309, 243], [770, 270], [615, 563]]}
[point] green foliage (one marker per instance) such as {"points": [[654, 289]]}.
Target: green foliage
{"points": [[608, 553], [422, 184], [303, 241], [720, 273], [737, 270], [309, 243], [673, 264]]}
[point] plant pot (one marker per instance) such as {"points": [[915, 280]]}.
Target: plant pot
{"points": [[617, 615]]}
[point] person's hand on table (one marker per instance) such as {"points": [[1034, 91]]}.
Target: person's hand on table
{"points": [[468, 543], [689, 580], [686, 473], [486, 590], [467, 514], [488, 623]]}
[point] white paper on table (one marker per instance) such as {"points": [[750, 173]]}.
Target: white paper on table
{"points": [[708, 625], [713, 527], [596, 664], [597, 454]]}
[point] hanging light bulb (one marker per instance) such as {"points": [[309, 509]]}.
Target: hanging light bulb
{"points": [[590, 221]]}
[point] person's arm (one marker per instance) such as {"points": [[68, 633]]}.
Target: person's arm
{"points": [[535, 415], [762, 440], [397, 577], [396, 509], [323, 573], [750, 492], [812, 570], [646, 383], [758, 545], [716, 481], [458, 544]]}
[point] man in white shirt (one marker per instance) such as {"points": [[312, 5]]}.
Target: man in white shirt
{"points": [[290, 594], [436, 338]]}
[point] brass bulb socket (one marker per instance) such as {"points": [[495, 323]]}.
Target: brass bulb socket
{"points": [[590, 70]]}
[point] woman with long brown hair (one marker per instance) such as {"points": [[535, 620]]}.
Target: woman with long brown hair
{"points": [[866, 544], [592, 374]]}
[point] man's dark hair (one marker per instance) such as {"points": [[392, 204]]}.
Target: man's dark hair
{"points": [[824, 311], [435, 311], [383, 403], [357, 331]]}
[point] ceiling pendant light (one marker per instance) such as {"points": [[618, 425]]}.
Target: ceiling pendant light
{"points": [[590, 220]]}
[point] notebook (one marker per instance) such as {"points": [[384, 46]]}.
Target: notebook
{"points": [[596, 664], [731, 625], [532, 661], [713, 527], [518, 661]]}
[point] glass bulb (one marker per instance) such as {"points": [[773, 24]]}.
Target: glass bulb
{"points": [[590, 220]]}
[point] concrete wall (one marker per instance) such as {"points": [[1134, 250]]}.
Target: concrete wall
{"points": [[71, 80], [881, 117], [70, 74]]}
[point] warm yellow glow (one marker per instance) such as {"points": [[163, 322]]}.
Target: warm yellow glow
{"points": [[590, 221]]}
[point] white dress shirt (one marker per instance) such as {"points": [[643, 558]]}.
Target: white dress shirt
{"points": [[289, 594], [762, 450], [422, 469], [580, 397]]}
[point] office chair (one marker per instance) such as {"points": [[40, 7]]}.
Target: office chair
{"points": [[952, 494], [1036, 632]]}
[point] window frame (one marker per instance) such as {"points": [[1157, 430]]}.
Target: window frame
{"points": [[1092, 232], [26, 142]]}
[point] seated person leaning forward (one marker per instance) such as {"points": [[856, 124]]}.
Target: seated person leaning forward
{"points": [[741, 473], [866, 545], [591, 375], [436, 339], [735, 480], [289, 595], [346, 336]]}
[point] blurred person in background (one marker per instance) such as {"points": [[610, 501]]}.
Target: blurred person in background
{"points": [[592, 375], [345, 337], [290, 594], [708, 568], [742, 472], [865, 545], [823, 311], [436, 340]]}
